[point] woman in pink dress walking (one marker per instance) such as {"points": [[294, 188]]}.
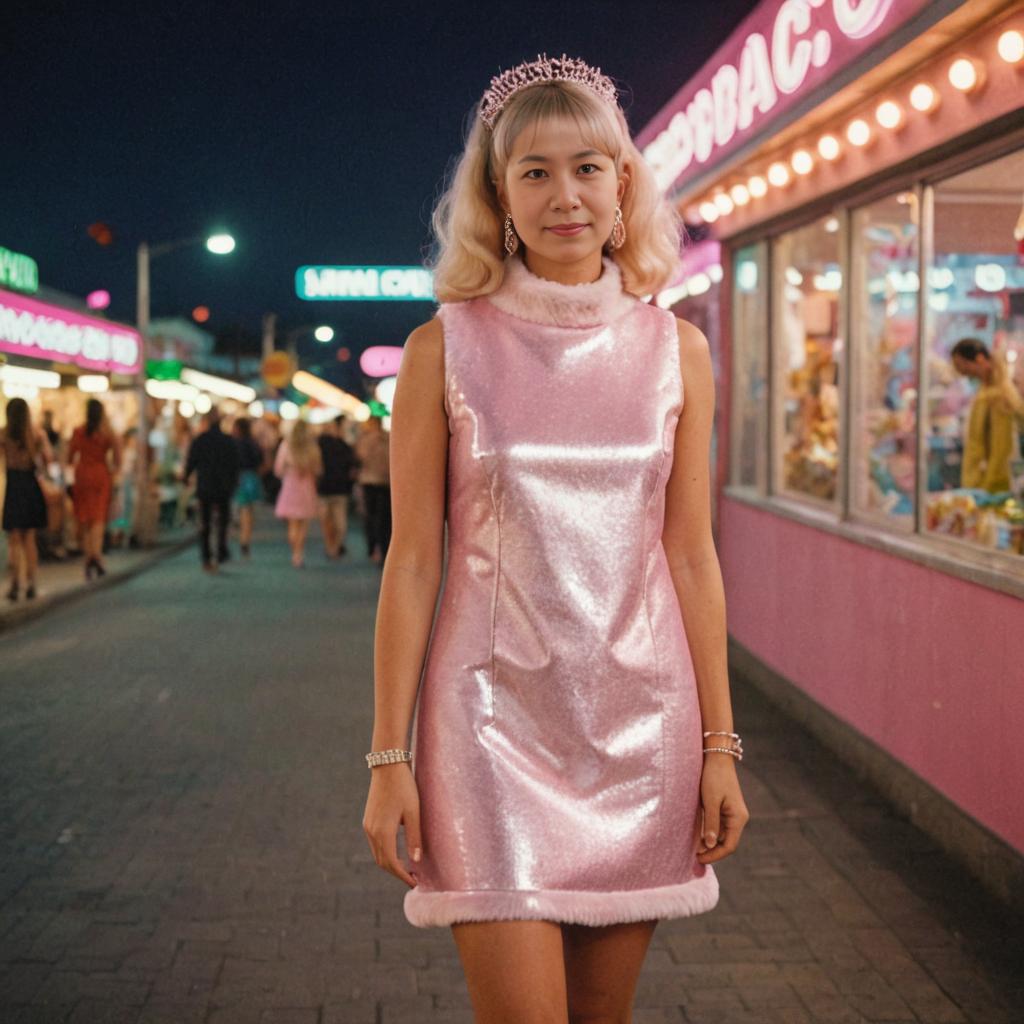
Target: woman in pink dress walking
{"points": [[573, 762], [298, 464]]}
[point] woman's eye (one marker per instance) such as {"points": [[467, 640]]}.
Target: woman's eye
{"points": [[592, 168], [532, 171]]}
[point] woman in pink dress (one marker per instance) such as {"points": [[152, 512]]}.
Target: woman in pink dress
{"points": [[572, 772], [298, 463]]}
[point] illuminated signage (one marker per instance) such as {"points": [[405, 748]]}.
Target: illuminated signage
{"points": [[18, 272], [365, 284], [777, 56], [32, 328]]}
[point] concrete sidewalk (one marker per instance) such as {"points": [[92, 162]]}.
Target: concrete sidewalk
{"points": [[63, 581]]}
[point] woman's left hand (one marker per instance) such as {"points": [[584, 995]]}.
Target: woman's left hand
{"points": [[725, 813]]}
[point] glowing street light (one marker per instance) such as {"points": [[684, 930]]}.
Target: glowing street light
{"points": [[324, 333], [220, 244]]}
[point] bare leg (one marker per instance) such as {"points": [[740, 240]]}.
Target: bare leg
{"points": [[15, 554], [96, 540], [602, 966], [245, 525], [327, 526], [341, 523], [31, 554], [301, 529], [514, 971]]}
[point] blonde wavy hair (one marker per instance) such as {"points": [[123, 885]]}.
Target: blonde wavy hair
{"points": [[468, 221], [303, 448]]}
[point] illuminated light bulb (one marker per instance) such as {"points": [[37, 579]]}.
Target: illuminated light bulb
{"points": [[889, 115], [832, 225], [740, 194], [203, 404], [708, 211], [724, 203], [778, 174], [187, 409], [757, 186], [802, 162], [964, 74], [1011, 46], [256, 409], [288, 411], [93, 383], [828, 147], [794, 277], [324, 334], [858, 132], [924, 98]]}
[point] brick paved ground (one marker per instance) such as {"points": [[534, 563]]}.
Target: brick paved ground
{"points": [[181, 792]]}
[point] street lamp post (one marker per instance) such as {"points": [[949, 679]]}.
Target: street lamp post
{"points": [[220, 244]]}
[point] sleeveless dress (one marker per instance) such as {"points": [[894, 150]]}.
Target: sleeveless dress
{"points": [[557, 740], [94, 482]]}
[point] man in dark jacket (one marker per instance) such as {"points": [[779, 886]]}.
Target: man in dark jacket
{"points": [[213, 457]]}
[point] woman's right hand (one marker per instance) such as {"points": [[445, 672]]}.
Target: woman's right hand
{"points": [[393, 799]]}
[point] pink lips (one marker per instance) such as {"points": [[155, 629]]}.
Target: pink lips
{"points": [[567, 229]]}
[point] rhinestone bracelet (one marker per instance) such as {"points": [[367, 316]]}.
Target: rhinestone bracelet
{"points": [[736, 749], [391, 756]]}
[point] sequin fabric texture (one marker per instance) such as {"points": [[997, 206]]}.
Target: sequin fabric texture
{"points": [[557, 734]]}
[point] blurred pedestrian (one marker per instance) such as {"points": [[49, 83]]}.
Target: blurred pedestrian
{"points": [[95, 455], [24, 509], [335, 485], [372, 451], [214, 458], [250, 487], [298, 464], [990, 440]]}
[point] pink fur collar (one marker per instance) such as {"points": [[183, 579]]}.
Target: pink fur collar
{"points": [[528, 297]]}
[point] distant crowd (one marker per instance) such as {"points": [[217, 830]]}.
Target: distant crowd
{"points": [[71, 493]]}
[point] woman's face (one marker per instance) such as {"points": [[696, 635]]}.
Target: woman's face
{"points": [[561, 192]]}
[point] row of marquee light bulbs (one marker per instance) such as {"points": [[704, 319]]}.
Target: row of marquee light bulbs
{"points": [[965, 73]]}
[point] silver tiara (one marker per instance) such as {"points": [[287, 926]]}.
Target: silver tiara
{"points": [[544, 69]]}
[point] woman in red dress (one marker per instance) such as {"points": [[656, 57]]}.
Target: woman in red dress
{"points": [[94, 444]]}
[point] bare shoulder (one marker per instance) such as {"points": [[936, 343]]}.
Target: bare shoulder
{"points": [[692, 342], [425, 344], [423, 359]]}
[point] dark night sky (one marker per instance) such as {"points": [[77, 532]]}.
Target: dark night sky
{"points": [[314, 133]]}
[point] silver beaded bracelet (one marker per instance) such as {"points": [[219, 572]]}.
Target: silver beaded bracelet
{"points": [[390, 756], [736, 750]]}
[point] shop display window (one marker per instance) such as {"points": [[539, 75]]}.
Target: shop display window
{"points": [[749, 367], [973, 478], [884, 291], [807, 281]]}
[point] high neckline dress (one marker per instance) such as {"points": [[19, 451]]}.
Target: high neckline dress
{"points": [[557, 742]]}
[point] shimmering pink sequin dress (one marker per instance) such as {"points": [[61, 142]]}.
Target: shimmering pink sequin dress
{"points": [[557, 736]]}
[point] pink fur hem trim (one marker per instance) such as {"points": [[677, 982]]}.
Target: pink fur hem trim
{"points": [[426, 909]]}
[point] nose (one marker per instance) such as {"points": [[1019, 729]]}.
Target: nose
{"points": [[565, 196]]}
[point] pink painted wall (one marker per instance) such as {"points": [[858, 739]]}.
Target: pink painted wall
{"points": [[929, 666]]}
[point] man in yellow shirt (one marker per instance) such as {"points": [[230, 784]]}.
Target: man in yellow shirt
{"points": [[991, 438]]}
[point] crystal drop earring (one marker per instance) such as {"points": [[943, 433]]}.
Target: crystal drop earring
{"points": [[511, 238]]}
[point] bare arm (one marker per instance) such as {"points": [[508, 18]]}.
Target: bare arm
{"points": [[697, 577], [408, 590], [687, 539], [412, 570]]}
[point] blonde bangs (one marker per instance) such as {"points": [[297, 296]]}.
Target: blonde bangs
{"points": [[468, 221]]}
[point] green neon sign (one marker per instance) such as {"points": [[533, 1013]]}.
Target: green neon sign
{"points": [[18, 271], [365, 284]]}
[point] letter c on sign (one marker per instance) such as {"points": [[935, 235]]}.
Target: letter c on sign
{"points": [[789, 68], [859, 20]]}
